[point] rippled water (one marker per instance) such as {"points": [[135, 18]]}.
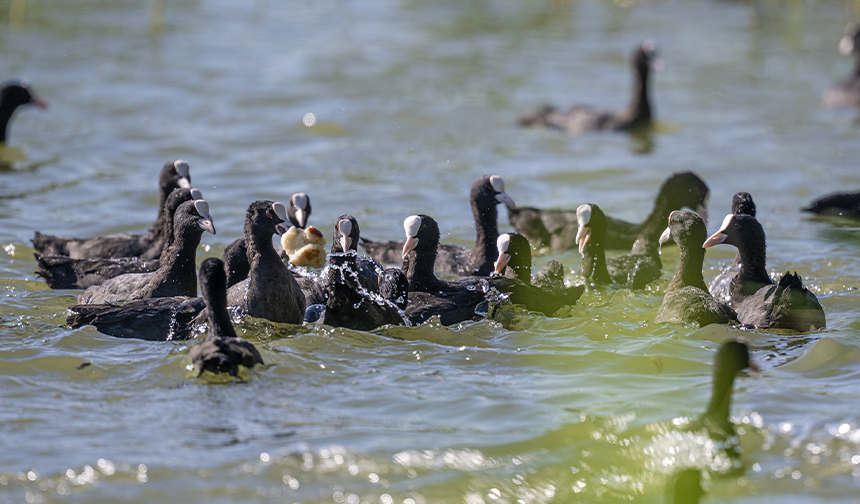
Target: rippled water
{"points": [[414, 100]]}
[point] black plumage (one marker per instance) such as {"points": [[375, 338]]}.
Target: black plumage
{"points": [[845, 204], [582, 118], [350, 301], [62, 272], [757, 300], [687, 298], [452, 302], [742, 204], [270, 291], [345, 238], [557, 229], [174, 175], [515, 263], [635, 270], [394, 286], [485, 194], [348, 304], [222, 351], [175, 277], [153, 319], [235, 256], [13, 94]]}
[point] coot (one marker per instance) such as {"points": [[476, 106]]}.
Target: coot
{"points": [[742, 204], [222, 351], [485, 194], [582, 118], [345, 238], [428, 296], [687, 298], [635, 270], [174, 175], [515, 263], [847, 92], [62, 272], [153, 319], [757, 300], [348, 303], [235, 256], [270, 292], [350, 284], [846, 204], [557, 229], [175, 277], [13, 94]]}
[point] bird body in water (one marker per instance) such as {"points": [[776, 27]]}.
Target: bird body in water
{"points": [[63, 272], [756, 299], [174, 175], [687, 298], [635, 270], [580, 118], [556, 229], [175, 277], [222, 351]]}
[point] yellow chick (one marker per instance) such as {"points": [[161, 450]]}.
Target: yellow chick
{"points": [[305, 247]]}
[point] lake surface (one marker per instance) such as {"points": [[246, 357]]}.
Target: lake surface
{"points": [[415, 100]]}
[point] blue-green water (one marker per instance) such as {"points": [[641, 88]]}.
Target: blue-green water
{"points": [[415, 100]]}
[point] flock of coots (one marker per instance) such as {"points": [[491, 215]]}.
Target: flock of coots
{"points": [[145, 285]]}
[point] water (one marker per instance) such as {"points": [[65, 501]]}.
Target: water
{"points": [[414, 100]]}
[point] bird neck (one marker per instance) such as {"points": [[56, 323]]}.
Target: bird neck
{"points": [[654, 225], [689, 270], [162, 230], [594, 264], [6, 111], [487, 231], [721, 397], [418, 267], [638, 113], [177, 273], [261, 252], [753, 274], [220, 324]]}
